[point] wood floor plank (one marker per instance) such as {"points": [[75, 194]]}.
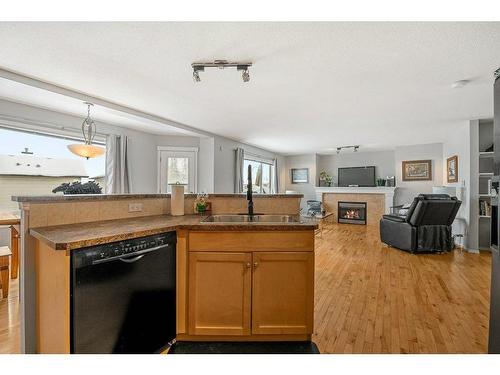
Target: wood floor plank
{"points": [[370, 298], [395, 302]]}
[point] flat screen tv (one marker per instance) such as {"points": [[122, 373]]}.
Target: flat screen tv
{"points": [[360, 176]]}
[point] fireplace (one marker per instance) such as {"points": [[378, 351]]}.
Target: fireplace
{"points": [[351, 213]]}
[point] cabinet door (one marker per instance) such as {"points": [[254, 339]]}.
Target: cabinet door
{"points": [[219, 293], [282, 294]]}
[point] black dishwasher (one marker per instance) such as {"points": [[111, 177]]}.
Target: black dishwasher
{"points": [[123, 296]]}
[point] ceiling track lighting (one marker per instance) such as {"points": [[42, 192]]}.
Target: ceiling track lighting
{"points": [[87, 149], [355, 148], [221, 64]]}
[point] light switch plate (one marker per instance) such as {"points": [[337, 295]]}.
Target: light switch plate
{"points": [[134, 207]]}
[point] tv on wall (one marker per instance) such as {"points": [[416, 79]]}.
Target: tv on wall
{"points": [[358, 176]]}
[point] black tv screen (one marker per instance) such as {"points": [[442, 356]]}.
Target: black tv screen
{"points": [[360, 176]]}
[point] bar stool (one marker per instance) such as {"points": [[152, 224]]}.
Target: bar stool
{"points": [[5, 254]]}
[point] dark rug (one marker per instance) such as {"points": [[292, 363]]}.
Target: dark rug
{"points": [[193, 347]]}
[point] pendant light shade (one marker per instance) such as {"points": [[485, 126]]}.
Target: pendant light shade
{"points": [[87, 149]]}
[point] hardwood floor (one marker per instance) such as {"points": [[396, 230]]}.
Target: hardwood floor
{"points": [[370, 298], [373, 299], [9, 320]]}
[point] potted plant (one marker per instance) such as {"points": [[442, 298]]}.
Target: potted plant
{"points": [[201, 203], [326, 178]]}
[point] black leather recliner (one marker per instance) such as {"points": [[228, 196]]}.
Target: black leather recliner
{"points": [[426, 227]]}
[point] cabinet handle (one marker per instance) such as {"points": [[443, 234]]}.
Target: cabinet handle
{"points": [[248, 265], [255, 264]]}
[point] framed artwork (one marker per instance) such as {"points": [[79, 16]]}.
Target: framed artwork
{"points": [[417, 170], [452, 169], [300, 175]]}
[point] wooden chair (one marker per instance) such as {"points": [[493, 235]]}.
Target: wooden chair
{"points": [[5, 254], [14, 243]]}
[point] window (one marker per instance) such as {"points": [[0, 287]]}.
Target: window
{"points": [[262, 176], [45, 165], [177, 165]]}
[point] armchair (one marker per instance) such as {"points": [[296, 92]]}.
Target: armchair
{"points": [[426, 227]]}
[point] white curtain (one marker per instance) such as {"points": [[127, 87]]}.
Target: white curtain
{"points": [[276, 177], [117, 165], [238, 175]]}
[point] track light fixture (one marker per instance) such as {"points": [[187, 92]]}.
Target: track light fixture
{"points": [[354, 148], [221, 64]]}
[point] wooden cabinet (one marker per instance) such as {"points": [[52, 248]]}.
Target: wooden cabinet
{"points": [[219, 293], [244, 291], [282, 292]]}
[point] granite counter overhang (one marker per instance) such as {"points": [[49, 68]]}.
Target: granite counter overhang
{"points": [[103, 197], [74, 236]]}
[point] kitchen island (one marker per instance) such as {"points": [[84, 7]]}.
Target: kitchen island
{"points": [[234, 281]]}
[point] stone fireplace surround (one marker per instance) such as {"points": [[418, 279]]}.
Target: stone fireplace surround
{"points": [[379, 200]]}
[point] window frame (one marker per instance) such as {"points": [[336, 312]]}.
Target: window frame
{"points": [[259, 159]]}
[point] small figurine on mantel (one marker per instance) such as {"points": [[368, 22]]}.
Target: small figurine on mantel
{"points": [[201, 203]]}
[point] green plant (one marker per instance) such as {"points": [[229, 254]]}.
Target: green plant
{"points": [[201, 202], [323, 176]]}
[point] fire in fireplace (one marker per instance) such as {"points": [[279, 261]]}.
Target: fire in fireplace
{"points": [[351, 212]]}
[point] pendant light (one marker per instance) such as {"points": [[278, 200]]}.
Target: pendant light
{"points": [[87, 150]]}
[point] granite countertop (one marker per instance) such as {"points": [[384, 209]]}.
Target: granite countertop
{"points": [[75, 236], [95, 197], [10, 217]]}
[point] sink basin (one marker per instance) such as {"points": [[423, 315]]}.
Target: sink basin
{"points": [[251, 219]]}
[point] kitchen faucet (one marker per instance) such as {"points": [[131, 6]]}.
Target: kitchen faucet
{"points": [[249, 192]]}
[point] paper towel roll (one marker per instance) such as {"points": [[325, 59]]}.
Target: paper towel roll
{"points": [[177, 200]]}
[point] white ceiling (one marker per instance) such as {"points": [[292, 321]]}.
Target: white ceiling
{"points": [[26, 94], [314, 86]]}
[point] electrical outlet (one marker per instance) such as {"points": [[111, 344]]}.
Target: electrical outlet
{"points": [[134, 207]]}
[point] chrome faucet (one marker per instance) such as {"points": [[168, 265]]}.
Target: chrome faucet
{"points": [[249, 191]]}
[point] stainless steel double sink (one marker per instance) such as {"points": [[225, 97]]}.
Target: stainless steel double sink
{"points": [[278, 219]]}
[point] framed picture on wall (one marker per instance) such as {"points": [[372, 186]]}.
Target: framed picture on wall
{"points": [[417, 170], [300, 175], [452, 169]]}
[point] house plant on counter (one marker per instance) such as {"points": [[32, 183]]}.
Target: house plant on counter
{"points": [[201, 203], [326, 178]]}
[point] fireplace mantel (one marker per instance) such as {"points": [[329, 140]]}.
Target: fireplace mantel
{"points": [[388, 192]]}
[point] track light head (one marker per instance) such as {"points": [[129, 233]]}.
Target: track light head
{"points": [[196, 76], [245, 75], [196, 69], [339, 149], [356, 148]]}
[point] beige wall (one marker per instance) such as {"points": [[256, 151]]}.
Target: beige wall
{"points": [[47, 214]]}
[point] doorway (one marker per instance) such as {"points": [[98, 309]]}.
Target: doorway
{"points": [[177, 165]]}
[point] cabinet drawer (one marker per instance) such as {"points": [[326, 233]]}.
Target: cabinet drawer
{"points": [[252, 241]]}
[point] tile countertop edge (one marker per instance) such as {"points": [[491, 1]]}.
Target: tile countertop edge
{"points": [[97, 197], [47, 235]]}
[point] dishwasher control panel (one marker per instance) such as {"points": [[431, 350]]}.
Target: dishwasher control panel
{"points": [[136, 246]]}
